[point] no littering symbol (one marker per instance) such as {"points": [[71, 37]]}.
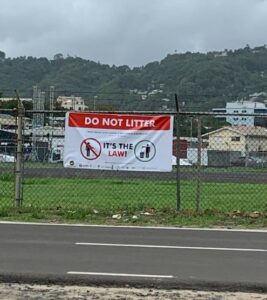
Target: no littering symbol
{"points": [[90, 149]]}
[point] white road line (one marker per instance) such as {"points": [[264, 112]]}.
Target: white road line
{"points": [[171, 247], [119, 274], [136, 227]]}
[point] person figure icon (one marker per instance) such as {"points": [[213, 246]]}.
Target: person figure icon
{"points": [[147, 150], [88, 149]]}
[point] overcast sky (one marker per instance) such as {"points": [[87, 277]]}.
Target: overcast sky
{"points": [[132, 32]]}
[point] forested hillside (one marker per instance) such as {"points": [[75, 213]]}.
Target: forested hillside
{"points": [[202, 81]]}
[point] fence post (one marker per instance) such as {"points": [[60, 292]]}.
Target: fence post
{"points": [[18, 168], [178, 178], [199, 155]]}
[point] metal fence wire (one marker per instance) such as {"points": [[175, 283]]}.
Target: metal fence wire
{"points": [[220, 166]]}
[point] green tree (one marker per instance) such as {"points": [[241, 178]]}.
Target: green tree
{"points": [[2, 55]]}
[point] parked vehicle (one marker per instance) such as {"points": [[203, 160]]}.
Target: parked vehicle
{"points": [[243, 161], [183, 161], [7, 158]]}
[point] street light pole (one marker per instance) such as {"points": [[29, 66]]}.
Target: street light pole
{"points": [[95, 98]]}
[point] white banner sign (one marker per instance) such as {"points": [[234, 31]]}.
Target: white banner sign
{"points": [[118, 142]]}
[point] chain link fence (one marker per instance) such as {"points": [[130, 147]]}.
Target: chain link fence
{"points": [[220, 167], [228, 163], [8, 125]]}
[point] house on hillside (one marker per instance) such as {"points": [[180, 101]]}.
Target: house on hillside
{"points": [[228, 143], [72, 103]]}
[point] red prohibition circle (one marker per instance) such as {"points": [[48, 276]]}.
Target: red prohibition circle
{"points": [[91, 149]]}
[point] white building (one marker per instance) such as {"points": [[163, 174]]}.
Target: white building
{"points": [[72, 103], [241, 110]]}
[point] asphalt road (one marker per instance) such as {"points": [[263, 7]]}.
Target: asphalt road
{"points": [[177, 258]]}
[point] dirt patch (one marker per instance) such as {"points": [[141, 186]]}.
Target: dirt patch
{"points": [[49, 292]]}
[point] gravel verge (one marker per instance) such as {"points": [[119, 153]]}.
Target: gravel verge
{"points": [[13, 291]]}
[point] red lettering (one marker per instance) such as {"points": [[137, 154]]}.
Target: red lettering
{"points": [[117, 153], [120, 122]]}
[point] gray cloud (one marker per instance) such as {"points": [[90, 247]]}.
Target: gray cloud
{"points": [[132, 32]]}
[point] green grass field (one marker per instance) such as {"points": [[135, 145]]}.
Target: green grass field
{"points": [[52, 193]]}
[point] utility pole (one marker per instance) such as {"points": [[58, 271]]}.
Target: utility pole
{"points": [[52, 94], [199, 163], [178, 175], [95, 99], [51, 122]]}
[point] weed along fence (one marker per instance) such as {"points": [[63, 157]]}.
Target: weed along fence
{"points": [[101, 162]]}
